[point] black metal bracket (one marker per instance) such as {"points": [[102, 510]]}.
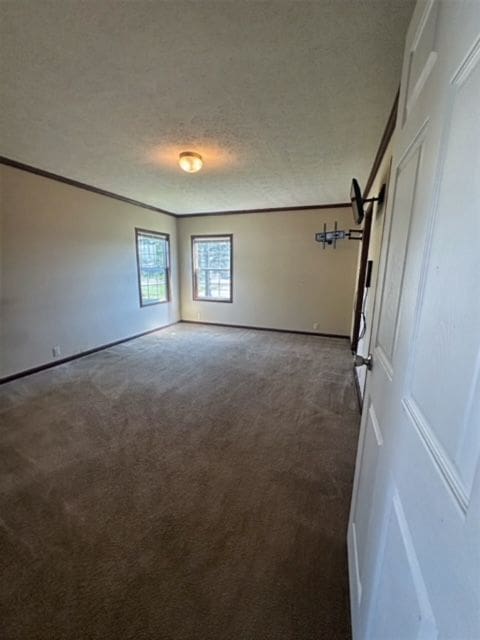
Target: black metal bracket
{"points": [[330, 237], [380, 198]]}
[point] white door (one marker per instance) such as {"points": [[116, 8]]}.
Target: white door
{"points": [[414, 530]]}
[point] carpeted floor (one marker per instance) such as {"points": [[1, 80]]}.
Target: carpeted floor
{"points": [[191, 484]]}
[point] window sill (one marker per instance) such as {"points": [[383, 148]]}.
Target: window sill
{"points": [[229, 300], [153, 304]]}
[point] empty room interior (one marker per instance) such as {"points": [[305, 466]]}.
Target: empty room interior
{"points": [[240, 320]]}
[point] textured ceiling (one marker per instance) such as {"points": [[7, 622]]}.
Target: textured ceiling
{"points": [[286, 100]]}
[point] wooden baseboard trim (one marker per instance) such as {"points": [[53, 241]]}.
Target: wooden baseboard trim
{"points": [[244, 326], [82, 354]]}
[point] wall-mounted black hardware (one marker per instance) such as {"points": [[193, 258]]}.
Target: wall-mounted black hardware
{"points": [[358, 200], [330, 237], [368, 277]]}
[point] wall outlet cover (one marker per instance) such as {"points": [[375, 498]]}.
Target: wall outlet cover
{"points": [[56, 351]]}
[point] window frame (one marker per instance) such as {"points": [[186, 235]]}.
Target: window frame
{"points": [[163, 236], [218, 236]]}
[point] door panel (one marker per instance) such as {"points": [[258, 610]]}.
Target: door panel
{"points": [[440, 531], [422, 56], [365, 494], [414, 531], [400, 580], [447, 334], [403, 203]]}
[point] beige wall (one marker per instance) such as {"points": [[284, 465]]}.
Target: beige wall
{"points": [[68, 270], [69, 275], [282, 278]]}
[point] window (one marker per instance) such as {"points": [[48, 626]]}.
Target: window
{"points": [[153, 264], [212, 268]]}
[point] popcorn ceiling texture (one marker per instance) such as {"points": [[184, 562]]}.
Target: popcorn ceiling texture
{"points": [[286, 101]]}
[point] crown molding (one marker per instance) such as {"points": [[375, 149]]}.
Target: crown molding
{"points": [[386, 137], [109, 194], [81, 185], [382, 147], [238, 212]]}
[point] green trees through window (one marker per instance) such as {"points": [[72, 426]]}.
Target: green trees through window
{"points": [[212, 268], [153, 263]]}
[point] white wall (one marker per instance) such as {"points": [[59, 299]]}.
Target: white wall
{"points": [[68, 270], [282, 278]]}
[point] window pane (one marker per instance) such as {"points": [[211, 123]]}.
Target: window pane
{"points": [[218, 283], [212, 267], [202, 284], [152, 250]]}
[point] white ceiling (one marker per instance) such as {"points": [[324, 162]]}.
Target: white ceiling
{"points": [[286, 100]]}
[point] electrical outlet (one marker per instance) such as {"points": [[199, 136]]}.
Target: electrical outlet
{"points": [[198, 315], [315, 326], [56, 351]]}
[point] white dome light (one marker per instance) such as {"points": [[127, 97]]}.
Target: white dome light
{"points": [[190, 161]]}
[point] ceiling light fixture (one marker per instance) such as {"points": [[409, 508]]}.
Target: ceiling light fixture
{"points": [[190, 161]]}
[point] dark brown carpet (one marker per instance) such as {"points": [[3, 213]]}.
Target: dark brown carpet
{"points": [[191, 484]]}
